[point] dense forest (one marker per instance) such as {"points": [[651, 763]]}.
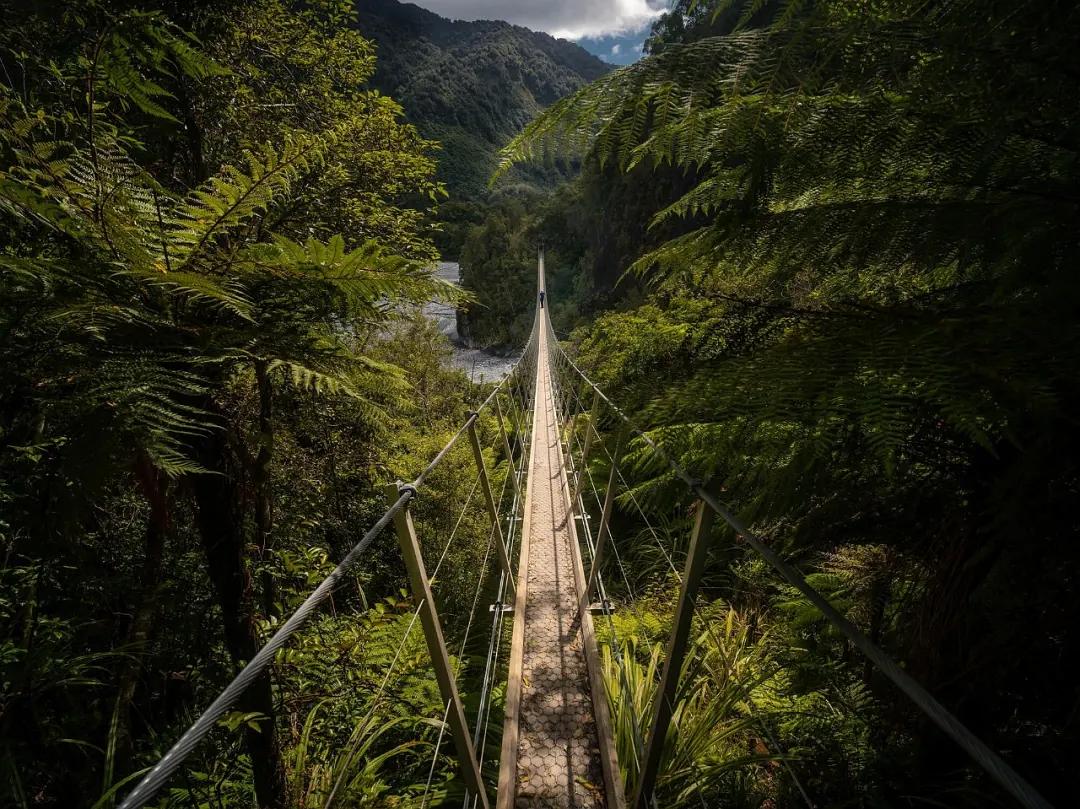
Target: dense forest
{"points": [[212, 362], [820, 251], [471, 86]]}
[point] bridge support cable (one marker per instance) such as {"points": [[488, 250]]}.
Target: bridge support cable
{"points": [[614, 787], [489, 499], [590, 431], [594, 577], [427, 603], [145, 790], [376, 700], [454, 715], [603, 533], [635, 720], [990, 761], [597, 550], [156, 777], [506, 445], [498, 613], [478, 795], [555, 680]]}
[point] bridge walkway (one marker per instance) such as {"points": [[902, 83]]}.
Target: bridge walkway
{"points": [[556, 739]]}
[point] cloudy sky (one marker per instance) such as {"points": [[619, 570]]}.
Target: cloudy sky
{"points": [[612, 29]]}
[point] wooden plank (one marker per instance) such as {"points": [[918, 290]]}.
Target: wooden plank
{"points": [[508, 757], [614, 789], [429, 619]]}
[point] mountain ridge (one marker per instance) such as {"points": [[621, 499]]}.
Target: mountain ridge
{"points": [[472, 85]]}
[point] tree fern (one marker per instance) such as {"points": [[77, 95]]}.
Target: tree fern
{"points": [[135, 46]]}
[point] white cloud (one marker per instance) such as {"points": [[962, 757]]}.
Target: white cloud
{"points": [[615, 49], [570, 19]]}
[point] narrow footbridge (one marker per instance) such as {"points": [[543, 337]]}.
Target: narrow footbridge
{"points": [[545, 718]]}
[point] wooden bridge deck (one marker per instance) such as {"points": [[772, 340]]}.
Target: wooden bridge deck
{"points": [[557, 748]]}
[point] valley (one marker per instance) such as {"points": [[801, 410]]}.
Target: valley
{"points": [[479, 364]]}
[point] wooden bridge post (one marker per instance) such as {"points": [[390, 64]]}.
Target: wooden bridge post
{"points": [[676, 652], [429, 619], [571, 398], [590, 431], [493, 509], [506, 446], [604, 532], [518, 414]]}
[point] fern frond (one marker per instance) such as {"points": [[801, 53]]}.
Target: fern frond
{"points": [[137, 45], [203, 221]]}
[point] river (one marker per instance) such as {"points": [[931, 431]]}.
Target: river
{"points": [[479, 364]]}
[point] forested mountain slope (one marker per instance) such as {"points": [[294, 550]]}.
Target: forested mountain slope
{"points": [[471, 85]]}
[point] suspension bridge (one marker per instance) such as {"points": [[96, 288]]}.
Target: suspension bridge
{"points": [[549, 743]]}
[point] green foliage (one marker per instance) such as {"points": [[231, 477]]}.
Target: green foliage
{"points": [[454, 221], [195, 360], [357, 716], [498, 266], [498, 261], [744, 731]]}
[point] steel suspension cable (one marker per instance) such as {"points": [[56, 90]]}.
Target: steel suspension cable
{"points": [[626, 486], [639, 741], [629, 491], [149, 785], [620, 664], [710, 629], [495, 640], [172, 760], [641, 512], [678, 576], [500, 593], [461, 516], [616, 646], [468, 628]]}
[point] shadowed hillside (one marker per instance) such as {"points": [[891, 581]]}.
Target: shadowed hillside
{"points": [[472, 85]]}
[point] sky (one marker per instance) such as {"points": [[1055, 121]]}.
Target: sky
{"points": [[612, 29]]}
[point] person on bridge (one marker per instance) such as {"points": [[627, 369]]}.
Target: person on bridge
{"points": [[541, 299]]}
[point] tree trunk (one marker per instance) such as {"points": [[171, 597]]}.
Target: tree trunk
{"points": [[260, 478], [154, 487], [198, 167], [221, 527]]}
